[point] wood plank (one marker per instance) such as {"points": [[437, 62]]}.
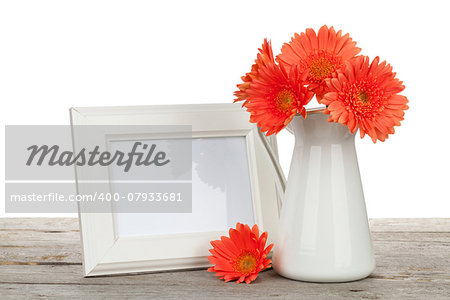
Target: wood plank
{"points": [[410, 225], [21, 242], [71, 274], [199, 284], [39, 224], [39, 241], [379, 224], [417, 259], [48, 250]]}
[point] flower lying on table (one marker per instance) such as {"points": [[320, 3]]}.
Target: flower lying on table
{"points": [[241, 256]]}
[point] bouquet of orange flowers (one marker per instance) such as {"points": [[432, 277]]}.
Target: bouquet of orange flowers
{"points": [[357, 92]]}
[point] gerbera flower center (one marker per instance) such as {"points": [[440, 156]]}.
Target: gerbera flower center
{"points": [[320, 68], [364, 97], [284, 100], [246, 262]]}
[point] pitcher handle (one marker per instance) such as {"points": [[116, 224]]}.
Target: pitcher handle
{"points": [[280, 179]]}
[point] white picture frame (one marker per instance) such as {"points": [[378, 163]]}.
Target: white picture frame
{"points": [[105, 253]]}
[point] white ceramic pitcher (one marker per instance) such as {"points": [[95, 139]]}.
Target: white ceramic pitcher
{"points": [[324, 233]]}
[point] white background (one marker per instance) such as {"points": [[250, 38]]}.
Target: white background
{"points": [[58, 54]]}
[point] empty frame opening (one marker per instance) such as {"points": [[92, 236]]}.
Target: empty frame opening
{"points": [[221, 188]]}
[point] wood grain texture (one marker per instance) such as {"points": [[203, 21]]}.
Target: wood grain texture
{"points": [[41, 258]]}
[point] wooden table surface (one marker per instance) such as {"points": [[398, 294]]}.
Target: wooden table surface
{"points": [[41, 257]]}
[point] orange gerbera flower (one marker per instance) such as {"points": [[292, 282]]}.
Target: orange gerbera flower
{"points": [[241, 256], [366, 96], [272, 96], [264, 57], [318, 55]]}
